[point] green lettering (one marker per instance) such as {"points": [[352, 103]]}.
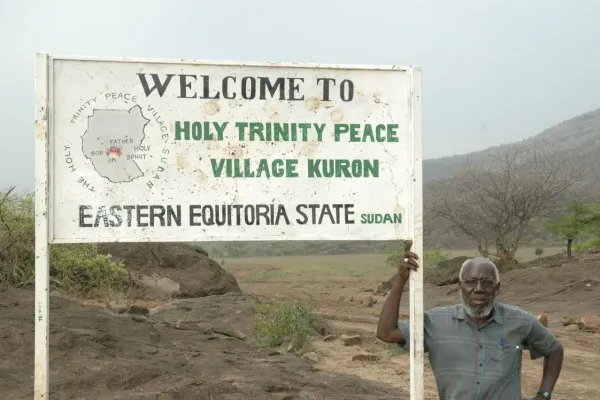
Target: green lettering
{"points": [[304, 128], [368, 132], [217, 166], [354, 129], [314, 168], [282, 133], [196, 131], [338, 130], [290, 171], [263, 168], [256, 129], [185, 130], [319, 128], [220, 129], [241, 130], [391, 129]]}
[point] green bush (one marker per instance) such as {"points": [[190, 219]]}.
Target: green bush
{"points": [[279, 322], [432, 259], [590, 244], [75, 268]]}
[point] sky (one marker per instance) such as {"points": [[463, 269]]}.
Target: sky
{"points": [[494, 71]]}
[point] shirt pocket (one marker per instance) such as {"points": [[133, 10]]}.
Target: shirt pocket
{"points": [[507, 360]]}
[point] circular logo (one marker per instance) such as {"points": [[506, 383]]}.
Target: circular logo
{"points": [[122, 140]]}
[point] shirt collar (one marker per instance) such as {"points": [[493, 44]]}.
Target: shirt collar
{"points": [[497, 313]]}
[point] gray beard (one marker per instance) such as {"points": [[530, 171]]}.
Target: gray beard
{"points": [[479, 312]]}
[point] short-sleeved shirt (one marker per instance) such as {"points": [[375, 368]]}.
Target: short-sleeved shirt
{"points": [[481, 362]]}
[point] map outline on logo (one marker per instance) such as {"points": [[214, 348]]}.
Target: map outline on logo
{"points": [[111, 140]]}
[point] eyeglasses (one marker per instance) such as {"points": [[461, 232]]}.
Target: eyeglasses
{"points": [[487, 284]]}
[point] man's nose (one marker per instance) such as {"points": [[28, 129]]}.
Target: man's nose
{"points": [[479, 287]]}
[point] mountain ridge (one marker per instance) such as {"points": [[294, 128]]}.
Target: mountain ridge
{"points": [[580, 133]]}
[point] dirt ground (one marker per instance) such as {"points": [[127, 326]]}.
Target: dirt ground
{"points": [[197, 348], [552, 285]]}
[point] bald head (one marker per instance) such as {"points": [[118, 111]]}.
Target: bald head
{"points": [[479, 266]]}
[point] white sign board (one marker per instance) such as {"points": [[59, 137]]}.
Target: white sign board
{"points": [[183, 151], [139, 150]]}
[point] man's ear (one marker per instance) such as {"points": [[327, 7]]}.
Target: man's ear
{"points": [[498, 289]]}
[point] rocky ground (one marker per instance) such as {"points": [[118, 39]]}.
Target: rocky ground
{"points": [[174, 345]]}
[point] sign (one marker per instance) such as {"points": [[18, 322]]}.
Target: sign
{"points": [[186, 151], [139, 150]]}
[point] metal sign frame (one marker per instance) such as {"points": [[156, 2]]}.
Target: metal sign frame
{"points": [[44, 91]]}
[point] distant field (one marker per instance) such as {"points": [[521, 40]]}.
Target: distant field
{"points": [[333, 268]]}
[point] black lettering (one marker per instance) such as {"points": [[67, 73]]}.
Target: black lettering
{"points": [[173, 215], [206, 88], [238, 213], [349, 212], [249, 215], [184, 85], [262, 210], [245, 94], [158, 85], [141, 214], [300, 210], [83, 216], [281, 213], [265, 85], [193, 215], [207, 215], [294, 88], [129, 210], [157, 212], [326, 81], [101, 214], [116, 220], [347, 90], [226, 88]]}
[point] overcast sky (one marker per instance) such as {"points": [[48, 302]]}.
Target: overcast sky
{"points": [[494, 71]]}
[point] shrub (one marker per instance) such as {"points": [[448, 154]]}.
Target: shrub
{"points": [[539, 251], [432, 259], [284, 321], [75, 268]]}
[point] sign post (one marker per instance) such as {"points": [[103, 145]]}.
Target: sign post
{"points": [[150, 150]]}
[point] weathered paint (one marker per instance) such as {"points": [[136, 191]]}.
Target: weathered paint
{"points": [[42, 265], [116, 147], [415, 215], [112, 157]]}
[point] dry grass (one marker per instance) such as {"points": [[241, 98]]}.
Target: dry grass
{"points": [[332, 268]]}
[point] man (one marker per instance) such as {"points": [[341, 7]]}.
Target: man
{"points": [[475, 348]]}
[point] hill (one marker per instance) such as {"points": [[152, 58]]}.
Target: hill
{"points": [[574, 143], [580, 134]]}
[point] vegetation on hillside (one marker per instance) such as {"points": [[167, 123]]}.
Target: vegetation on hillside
{"points": [[578, 221], [494, 203], [78, 269]]}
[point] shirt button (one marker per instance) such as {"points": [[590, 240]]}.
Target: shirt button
{"points": [[478, 383], [480, 346], [481, 365]]}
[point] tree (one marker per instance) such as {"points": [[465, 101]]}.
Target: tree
{"points": [[539, 251], [580, 220], [493, 201], [573, 224]]}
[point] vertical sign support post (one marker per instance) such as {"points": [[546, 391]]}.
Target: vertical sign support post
{"points": [[416, 227], [42, 257]]}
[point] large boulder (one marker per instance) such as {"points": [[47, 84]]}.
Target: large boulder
{"points": [[447, 272], [172, 270]]}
